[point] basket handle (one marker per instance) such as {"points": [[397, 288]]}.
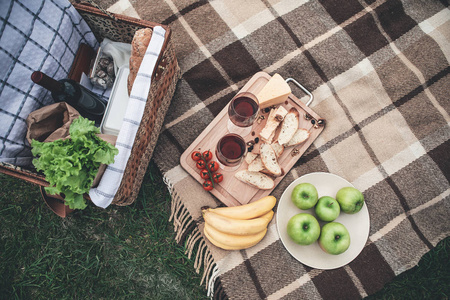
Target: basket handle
{"points": [[311, 97], [91, 2], [56, 203]]}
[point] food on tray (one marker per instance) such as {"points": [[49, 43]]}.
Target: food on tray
{"points": [[213, 166], [335, 238], [271, 128], [196, 155], [276, 116], [201, 164], [250, 157], [289, 126], [263, 162], [350, 200], [217, 177], [269, 160], [304, 195], [266, 161], [207, 155], [303, 228], [256, 179], [208, 185], [275, 92], [139, 46], [279, 149], [207, 168], [299, 137], [238, 227], [256, 165]]}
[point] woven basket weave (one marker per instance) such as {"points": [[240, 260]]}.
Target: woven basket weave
{"points": [[121, 28]]}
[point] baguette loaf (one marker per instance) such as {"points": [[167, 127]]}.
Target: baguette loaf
{"points": [[289, 126], [255, 179], [269, 160], [139, 46], [299, 137]]}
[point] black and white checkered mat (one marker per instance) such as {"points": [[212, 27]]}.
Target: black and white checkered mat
{"points": [[34, 36]]}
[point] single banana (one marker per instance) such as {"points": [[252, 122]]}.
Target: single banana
{"points": [[236, 226], [234, 241], [217, 244], [247, 211]]}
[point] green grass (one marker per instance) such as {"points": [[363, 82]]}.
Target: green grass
{"points": [[120, 252], [129, 252]]}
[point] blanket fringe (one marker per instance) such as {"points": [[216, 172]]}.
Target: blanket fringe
{"points": [[188, 233], [191, 241], [212, 281]]}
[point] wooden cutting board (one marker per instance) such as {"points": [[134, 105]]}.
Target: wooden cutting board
{"points": [[231, 191]]}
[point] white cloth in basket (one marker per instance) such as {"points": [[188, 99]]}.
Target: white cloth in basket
{"points": [[103, 195]]}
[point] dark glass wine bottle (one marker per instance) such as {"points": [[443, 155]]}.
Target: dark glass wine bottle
{"points": [[88, 104]]}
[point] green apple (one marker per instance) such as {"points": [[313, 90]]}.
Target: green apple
{"points": [[303, 228], [350, 199], [334, 238], [304, 195], [327, 209]]}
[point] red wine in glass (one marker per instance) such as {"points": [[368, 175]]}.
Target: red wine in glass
{"points": [[242, 112], [230, 151]]}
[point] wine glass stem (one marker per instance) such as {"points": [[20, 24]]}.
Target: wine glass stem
{"points": [[242, 131]]}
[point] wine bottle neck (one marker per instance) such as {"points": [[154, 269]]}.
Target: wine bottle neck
{"points": [[47, 82]]}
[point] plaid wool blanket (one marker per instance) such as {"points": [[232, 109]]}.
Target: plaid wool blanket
{"points": [[379, 73]]}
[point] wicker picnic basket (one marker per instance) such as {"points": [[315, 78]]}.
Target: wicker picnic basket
{"points": [[166, 74]]}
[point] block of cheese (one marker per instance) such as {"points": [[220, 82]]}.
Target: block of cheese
{"points": [[275, 91]]}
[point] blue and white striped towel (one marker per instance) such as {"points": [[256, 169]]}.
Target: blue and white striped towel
{"points": [[103, 195]]}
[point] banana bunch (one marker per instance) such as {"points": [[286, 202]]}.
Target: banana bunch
{"points": [[238, 227]]}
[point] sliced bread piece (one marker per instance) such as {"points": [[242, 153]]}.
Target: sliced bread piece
{"points": [[289, 126], [256, 165], [250, 157], [269, 160], [299, 137], [255, 179], [279, 149], [276, 116]]}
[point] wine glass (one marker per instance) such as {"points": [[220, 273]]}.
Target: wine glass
{"points": [[242, 112], [230, 151]]}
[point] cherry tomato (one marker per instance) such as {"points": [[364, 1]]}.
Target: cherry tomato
{"points": [[207, 155], [201, 164], [217, 177], [204, 174], [213, 166], [196, 155], [207, 185]]}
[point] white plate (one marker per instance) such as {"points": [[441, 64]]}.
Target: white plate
{"points": [[358, 224]]}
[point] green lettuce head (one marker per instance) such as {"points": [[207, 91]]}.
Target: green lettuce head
{"points": [[71, 165]]}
